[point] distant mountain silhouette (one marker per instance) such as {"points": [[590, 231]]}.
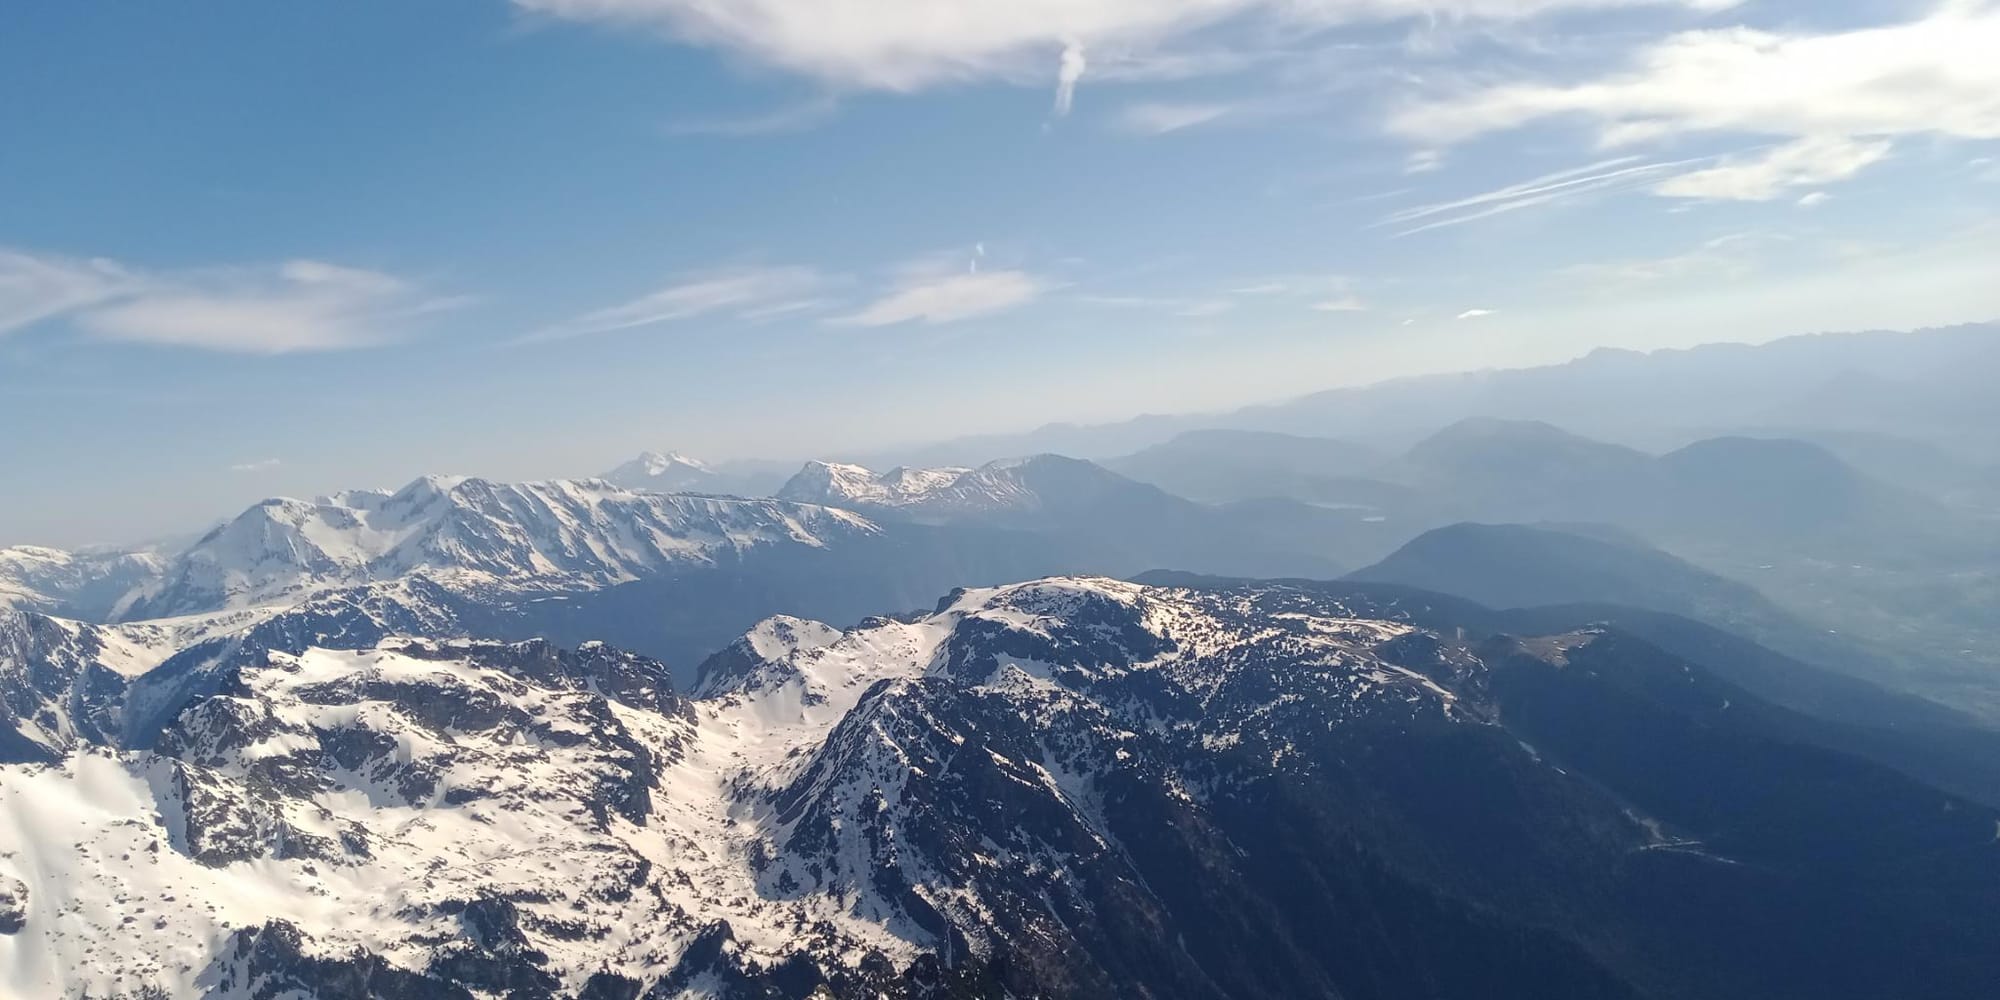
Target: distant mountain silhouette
{"points": [[1223, 465], [1108, 522], [1521, 566], [1940, 379]]}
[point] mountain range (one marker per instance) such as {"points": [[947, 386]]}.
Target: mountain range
{"points": [[1837, 548], [673, 575], [1551, 578], [673, 472], [1926, 386], [1725, 492], [476, 535], [1114, 524], [1072, 787], [1702, 719]]}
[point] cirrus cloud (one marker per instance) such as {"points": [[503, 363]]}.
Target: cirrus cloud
{"points": [[35, 287], [1761, 177], [299, 305], [747, 293], [1840, 98], [944, 298]]}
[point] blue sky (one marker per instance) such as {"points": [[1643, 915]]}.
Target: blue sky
{"points": [[251, 248]]}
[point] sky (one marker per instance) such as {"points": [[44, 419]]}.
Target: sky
{"points": [[253, 249]]}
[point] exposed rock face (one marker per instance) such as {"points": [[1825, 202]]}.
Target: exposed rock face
{"points": [[13, 905], [1067, 788], [57, 690]]}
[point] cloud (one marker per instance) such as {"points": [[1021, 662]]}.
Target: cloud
{"points": [[791, 118], [1184, 308], [1170, 305], [1317, 292], [1204, 308], [1476, 313], [910, 45], [1843, 96], [1345, 303], [928, 296], [1604, 175], [259, 465], [1161, 117], [301, 305], [938, 288], [785, 307], [1726, 257], [746, 293], [1424, 161], [1769, 174], [1069, 70], [1813, 199], [35, 287]]}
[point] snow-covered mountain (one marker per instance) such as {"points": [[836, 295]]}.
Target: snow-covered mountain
{"points": [[1067, 788], [475, 534], [669, 472], [937, 493], [1112, 524], [674, 576], [65, 683], [673, 472], [86, 584], [60, 683]]}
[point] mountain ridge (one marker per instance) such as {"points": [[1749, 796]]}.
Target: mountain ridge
{"points": [[1037, 788]]}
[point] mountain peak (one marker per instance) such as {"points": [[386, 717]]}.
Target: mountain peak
{"points": [[664, 472], [1003, 485], [659, 463], [1500, 428]]}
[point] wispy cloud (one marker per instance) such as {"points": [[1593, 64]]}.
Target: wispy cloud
{"points": [[1618, 173], [1162, 117], [1204, 308], [930, 296], [1341, 304], [1171, 305], [300, 305], [751, 293], [258, 465], [1424, 161], [1316, 292], [35, 287], [787, 307], [1476, 313], [1770, 173], [910, 45], [1326, 293], [1841, 98], [797, 117], [1726, 257]]}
